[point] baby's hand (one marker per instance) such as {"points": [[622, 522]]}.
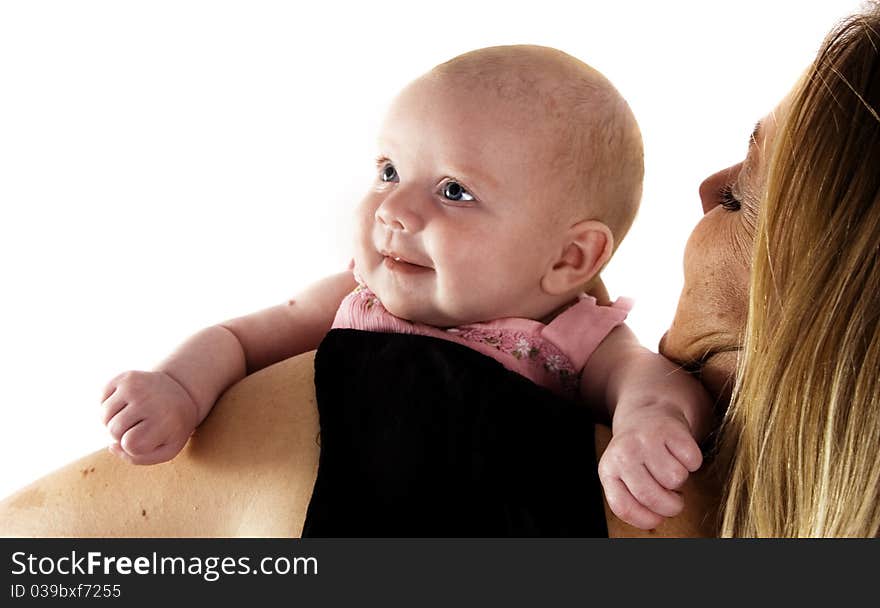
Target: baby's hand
{"points": [[649, 457], [149, 415]]}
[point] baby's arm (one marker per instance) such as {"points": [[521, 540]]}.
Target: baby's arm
{"points": [[658, 414], [150, 415]]}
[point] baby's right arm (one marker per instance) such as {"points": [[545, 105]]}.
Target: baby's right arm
{"points": [[150, 415]]}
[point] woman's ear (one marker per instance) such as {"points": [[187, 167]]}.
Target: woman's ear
{"points": [[588, 246]]}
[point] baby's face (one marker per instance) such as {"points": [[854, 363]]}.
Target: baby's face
{"points": [[461, 223]]}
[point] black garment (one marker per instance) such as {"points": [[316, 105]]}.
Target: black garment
{"points": [[421, 437]]}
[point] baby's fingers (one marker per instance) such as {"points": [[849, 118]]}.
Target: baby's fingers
{"points": [[142, 439], [162, 453], [686, 450], [122, 421], [651, 494], [109, 389], [626, 507], [152, 443], [667, 470], [115, 383], [112, 406]]}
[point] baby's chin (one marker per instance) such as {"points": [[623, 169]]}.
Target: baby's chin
{"points": [[421, 305], [415, 310], [404, 307]]}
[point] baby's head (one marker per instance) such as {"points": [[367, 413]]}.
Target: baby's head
{"points": [[506, 178]]}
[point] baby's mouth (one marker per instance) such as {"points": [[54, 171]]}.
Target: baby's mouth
{"points": [[395, 262]]}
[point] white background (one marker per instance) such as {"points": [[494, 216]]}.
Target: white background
{"points": [[167, 165]]}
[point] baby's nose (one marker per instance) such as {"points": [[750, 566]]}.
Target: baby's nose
{"points": [[387, 219], [398, 213]]}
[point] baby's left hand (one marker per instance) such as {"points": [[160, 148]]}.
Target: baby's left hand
{"points": [[650, 455]]}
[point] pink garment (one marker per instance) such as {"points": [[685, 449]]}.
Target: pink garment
{"points": [[550, 355]]}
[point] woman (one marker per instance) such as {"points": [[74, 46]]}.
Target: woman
{"points": [[796, 444], [813, 334]]}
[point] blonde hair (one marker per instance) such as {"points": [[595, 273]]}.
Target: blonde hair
{"points": [[800, 443]]}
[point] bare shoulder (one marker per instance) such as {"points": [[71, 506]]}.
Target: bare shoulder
{"points": [[248, 470], [697, 520]]}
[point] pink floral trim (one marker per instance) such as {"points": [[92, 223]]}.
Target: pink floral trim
{"points": [[537, 351], [366, 295], [540, 354]]}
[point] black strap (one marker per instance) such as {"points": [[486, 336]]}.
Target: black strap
{"points": [[423, 437]]}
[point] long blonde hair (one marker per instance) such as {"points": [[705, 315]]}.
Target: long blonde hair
{"points": [[800, 443]]}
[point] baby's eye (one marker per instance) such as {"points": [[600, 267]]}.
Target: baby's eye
{"points": [[454, 191], [728, 199], [388, 173]]}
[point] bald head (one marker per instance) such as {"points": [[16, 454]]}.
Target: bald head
{"points": [[597, 147]]}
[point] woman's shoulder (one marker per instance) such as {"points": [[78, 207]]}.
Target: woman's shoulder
{"points": [[249, 470]]}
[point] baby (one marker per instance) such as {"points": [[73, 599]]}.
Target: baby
{"points": [[505, 180]]}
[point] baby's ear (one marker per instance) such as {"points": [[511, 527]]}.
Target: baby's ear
{"points": [[587, 247]]}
